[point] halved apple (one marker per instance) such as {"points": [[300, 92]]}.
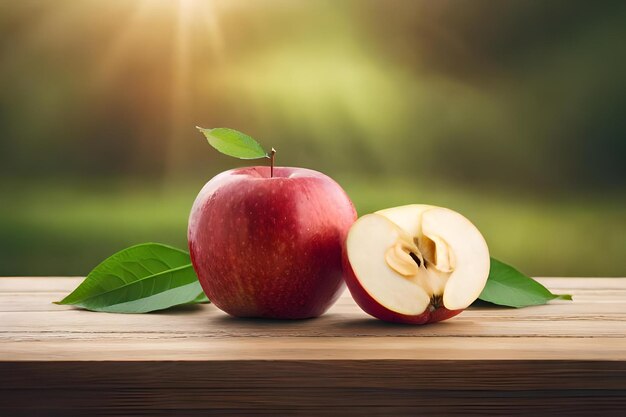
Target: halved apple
{"points": [[415, 264]]}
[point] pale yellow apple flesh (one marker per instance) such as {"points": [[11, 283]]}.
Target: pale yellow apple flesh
{"points": [[413, 258]]}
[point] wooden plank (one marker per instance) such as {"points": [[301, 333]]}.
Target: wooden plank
{"points": [[158, 347], [29, 319], [315, 388], [215, 325], [566, 357], [42, 301], [38, 284], [62, 284]]}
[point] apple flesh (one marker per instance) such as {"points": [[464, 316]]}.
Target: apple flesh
{"points": [[270, 246], [415, 264]]}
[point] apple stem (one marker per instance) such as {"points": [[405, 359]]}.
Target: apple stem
{"points": [[271, 157]]}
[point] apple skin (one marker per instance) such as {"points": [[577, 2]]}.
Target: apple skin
{"points": [[375, 309], [270, 247]]}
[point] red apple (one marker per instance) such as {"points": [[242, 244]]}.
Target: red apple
{"points": [[270, 246], [415, 264]]}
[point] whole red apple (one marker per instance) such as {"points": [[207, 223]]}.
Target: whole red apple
{"points": [[270, 246]]}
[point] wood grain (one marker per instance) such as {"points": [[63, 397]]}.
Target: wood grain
{"points": [[567, 357]]}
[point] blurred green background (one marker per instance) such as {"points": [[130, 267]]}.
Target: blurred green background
{"points": [[511, 112]]}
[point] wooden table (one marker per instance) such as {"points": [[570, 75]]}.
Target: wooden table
{"points": [[564, 357]]}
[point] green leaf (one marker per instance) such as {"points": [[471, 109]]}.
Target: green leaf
{"points": [[201, 299], [507, 286], [233, 143], [139, 279]]}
